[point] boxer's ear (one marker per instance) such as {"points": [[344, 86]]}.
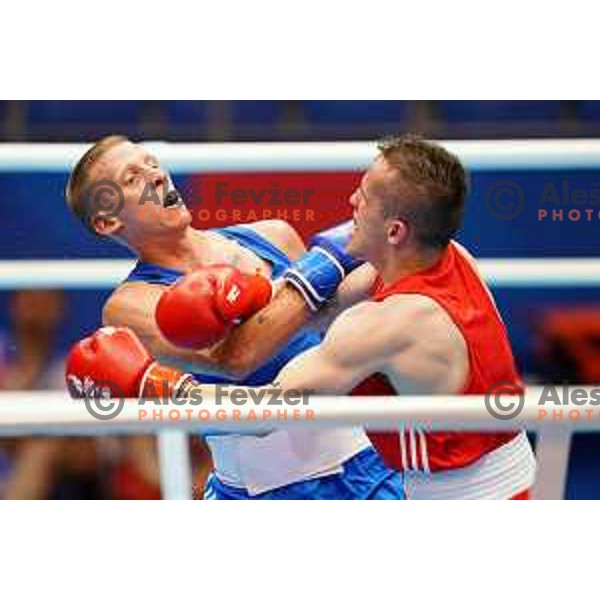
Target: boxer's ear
{"points": [[397, 232]]}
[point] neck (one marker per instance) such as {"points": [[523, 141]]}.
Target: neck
{"points": [[173, 252], [396, 265]]}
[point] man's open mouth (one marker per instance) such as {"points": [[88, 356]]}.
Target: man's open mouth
{"points": [[173, 198]]}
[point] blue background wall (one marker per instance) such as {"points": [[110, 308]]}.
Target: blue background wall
{"points": [[36, 224]]}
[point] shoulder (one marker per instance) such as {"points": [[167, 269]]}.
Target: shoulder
{"points": [[398, 322], [394, 309], [417, 318], [128, 301], [364, 329], [465, 254], [282, 235]]}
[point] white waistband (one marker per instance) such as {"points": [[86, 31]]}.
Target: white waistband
{"points": [[500, 474], [260, 464]]}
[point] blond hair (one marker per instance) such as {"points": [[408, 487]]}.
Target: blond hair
{"points": [[79, 179]]}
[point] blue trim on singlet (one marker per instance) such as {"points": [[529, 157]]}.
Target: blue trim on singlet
{"points": [[301, 341]]}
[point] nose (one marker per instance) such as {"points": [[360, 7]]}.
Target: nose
{"points": [[354, 199], [158, 177], [154, 175]]}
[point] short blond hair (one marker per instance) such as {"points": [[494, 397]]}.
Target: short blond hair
{"points": [[79, 179]]}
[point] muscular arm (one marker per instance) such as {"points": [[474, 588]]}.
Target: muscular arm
{"points": [[356, 346], [408, 338], [288, 313], [346, 356], [247, 347]]}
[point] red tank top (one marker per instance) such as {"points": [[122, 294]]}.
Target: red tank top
{"points": [[457, 288]]}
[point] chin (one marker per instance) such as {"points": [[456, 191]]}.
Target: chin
{"points": [[176, 220], [356, 250], [353, 247]]}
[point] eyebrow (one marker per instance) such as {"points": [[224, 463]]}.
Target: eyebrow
{"points": [[147, 157], [121, 174]]}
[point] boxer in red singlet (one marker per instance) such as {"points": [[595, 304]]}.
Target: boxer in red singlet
{"points": [[430, 326], [435, 463]]}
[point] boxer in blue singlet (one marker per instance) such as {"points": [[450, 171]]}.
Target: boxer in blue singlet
{"points": [[337, 463]]}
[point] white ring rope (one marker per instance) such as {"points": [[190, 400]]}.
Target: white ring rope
{"points": [[477, 155], [100, 274], [53, 413], [44, 411]]}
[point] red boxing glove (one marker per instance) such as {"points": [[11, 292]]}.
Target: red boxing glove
{"points": [[114, 363], [201, 308]]}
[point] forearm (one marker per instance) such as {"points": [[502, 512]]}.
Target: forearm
{"points": [[303, 376], [246, 347], [252, 343]]}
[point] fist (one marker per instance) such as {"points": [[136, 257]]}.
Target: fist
{"points": [[111, 359], [201, 308], [114, 363]]}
